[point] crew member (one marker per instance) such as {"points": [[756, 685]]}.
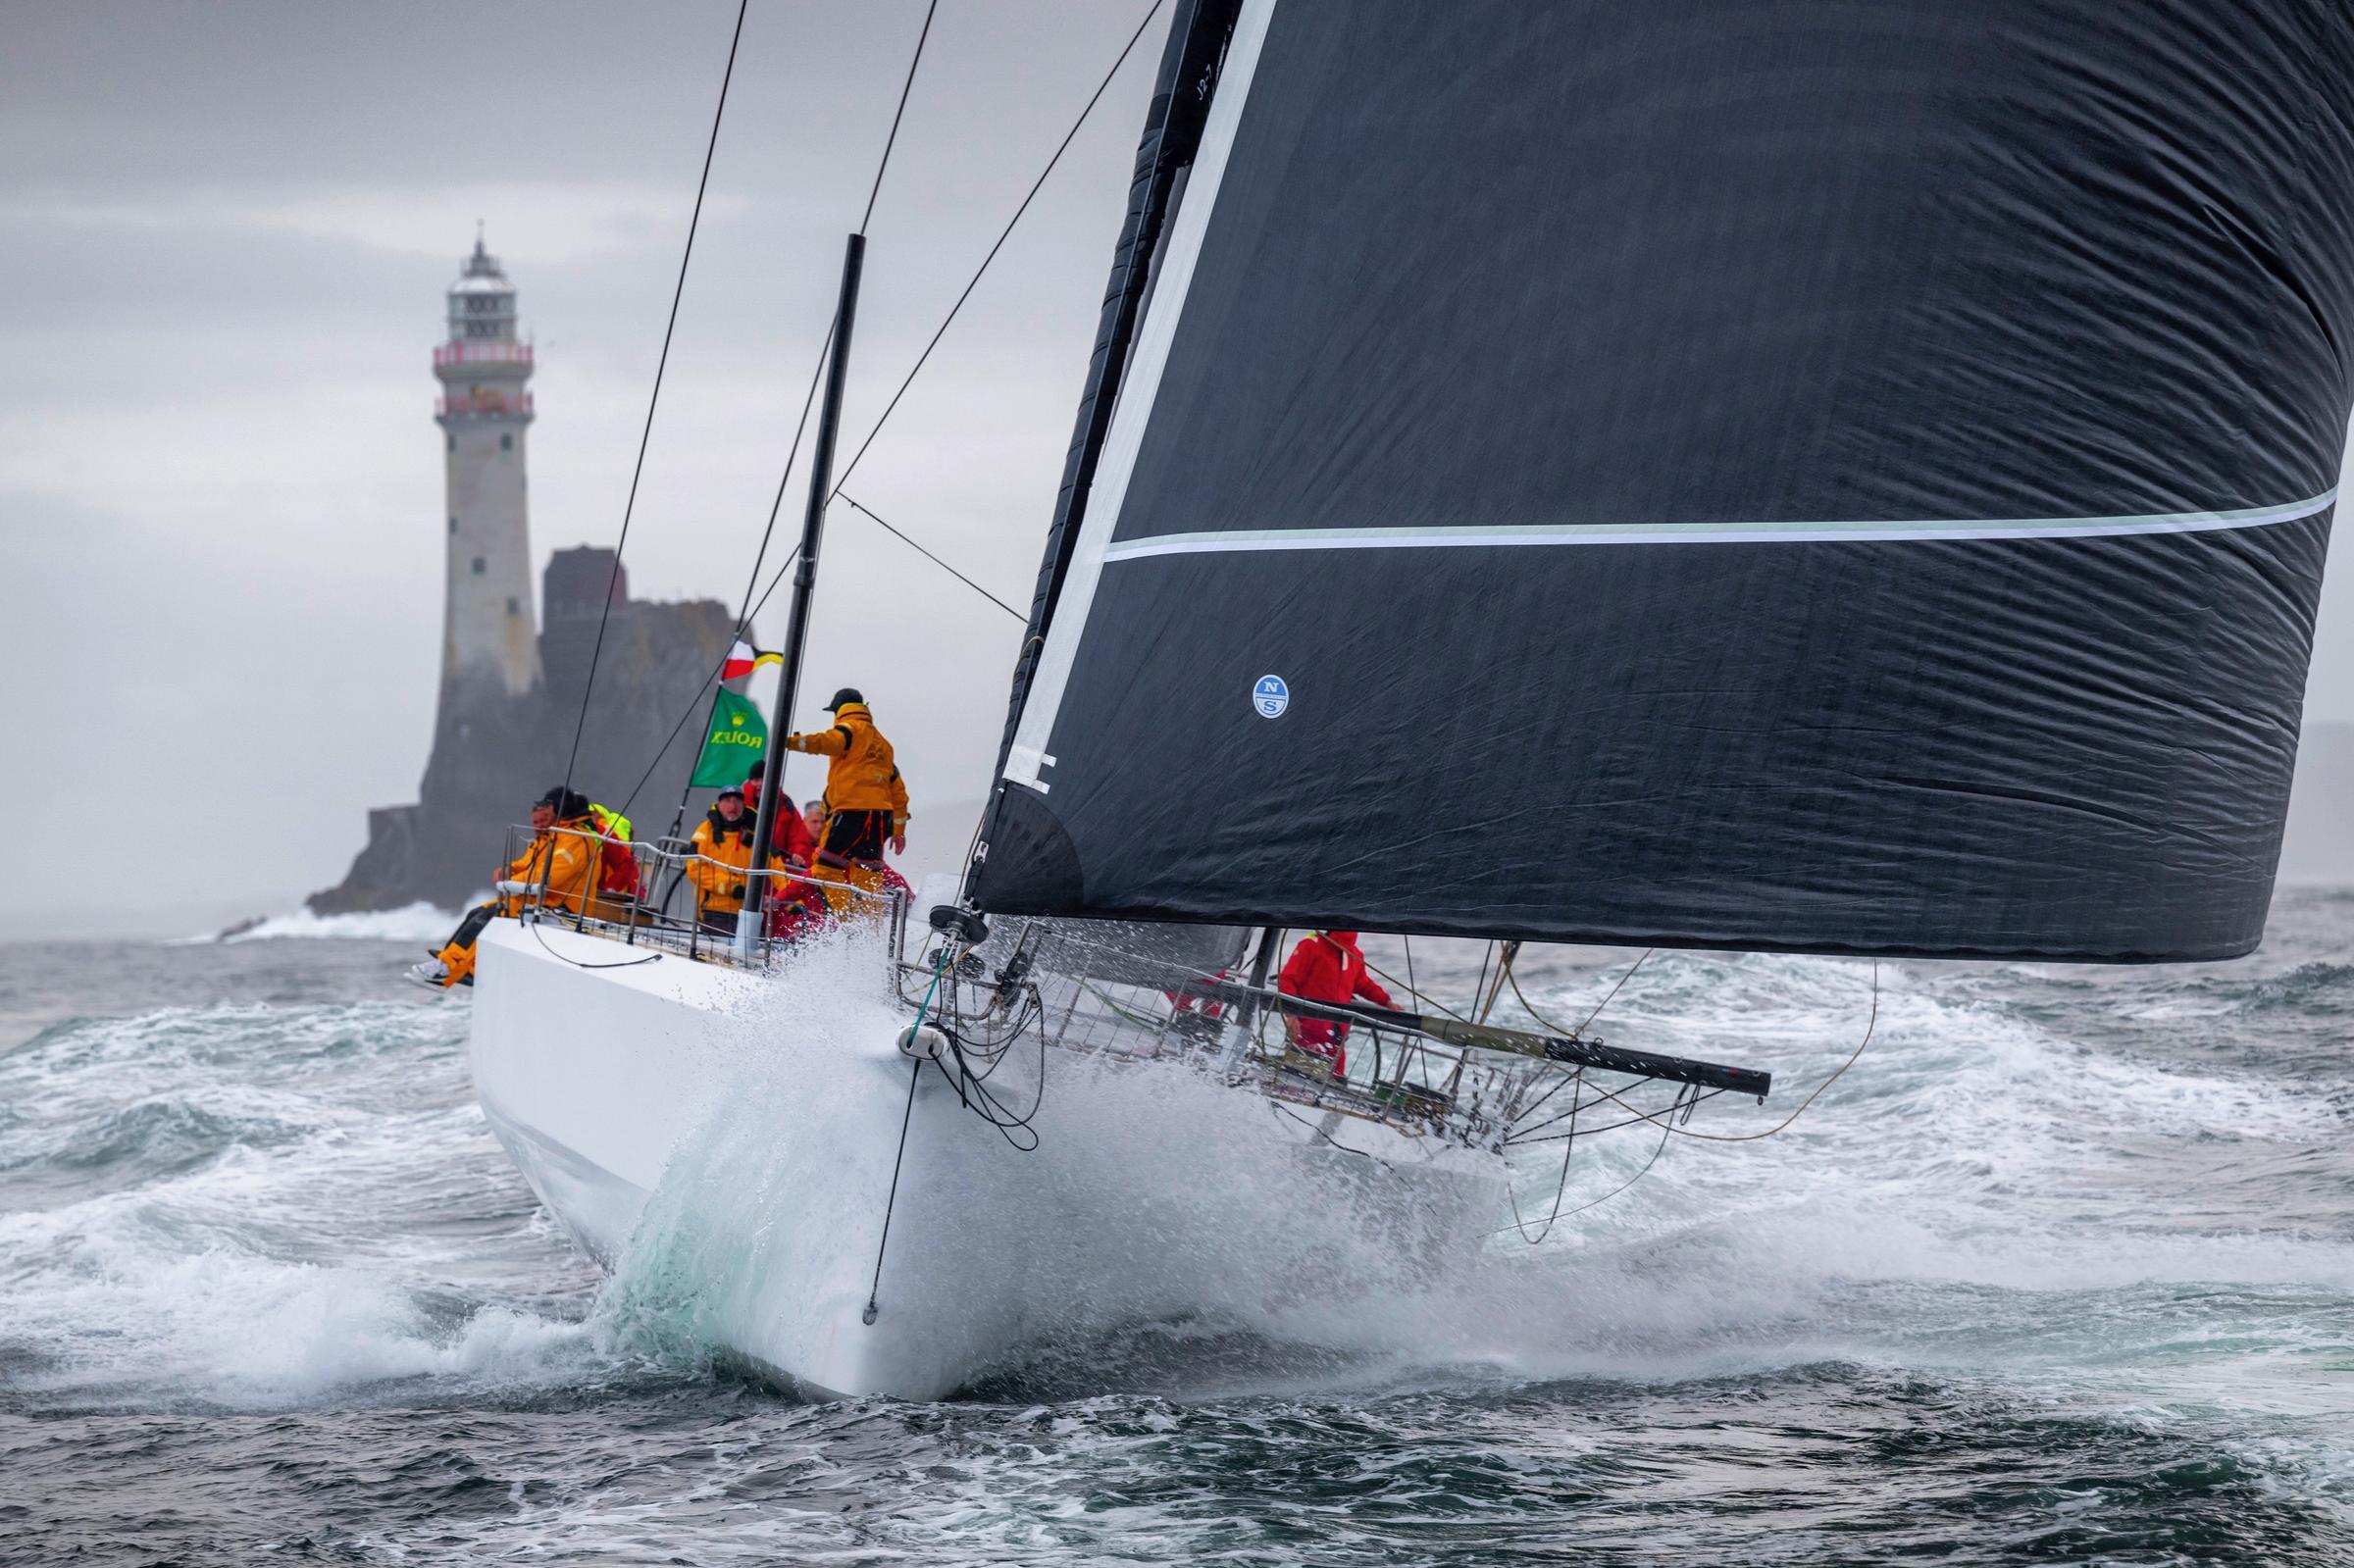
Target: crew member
{"points": [[558, 869], [723, 849], [1327, 968], [866, 799], [790, 835], [617, 863]]}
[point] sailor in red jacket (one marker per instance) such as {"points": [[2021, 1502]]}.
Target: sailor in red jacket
{"points": [[790, 833], [1327, 968]]}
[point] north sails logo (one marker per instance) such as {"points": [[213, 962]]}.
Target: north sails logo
{"points": [[1270, 696]]}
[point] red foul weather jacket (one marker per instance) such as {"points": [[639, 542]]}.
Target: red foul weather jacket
{"points": [[788, 835], [1328, 967]]}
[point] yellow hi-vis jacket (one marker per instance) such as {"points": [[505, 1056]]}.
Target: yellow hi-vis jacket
{"points": [[862, 776]]}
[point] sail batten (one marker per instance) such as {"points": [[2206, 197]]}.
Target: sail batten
{"points": [[1994, 357]]}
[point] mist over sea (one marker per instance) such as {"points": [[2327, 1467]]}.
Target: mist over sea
{"points": [[2063, 1270]]}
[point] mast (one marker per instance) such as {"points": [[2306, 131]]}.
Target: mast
{"points": [[749, 918]]}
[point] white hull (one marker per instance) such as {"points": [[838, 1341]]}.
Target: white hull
{"points": [[726, 1143]]}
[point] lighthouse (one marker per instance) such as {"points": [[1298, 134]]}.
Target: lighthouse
{"points": [[489, 637], [511, 715]]}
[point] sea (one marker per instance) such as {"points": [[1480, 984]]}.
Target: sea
{"points": [[2060, 1270]]}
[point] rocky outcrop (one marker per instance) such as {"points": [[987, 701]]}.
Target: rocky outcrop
{"points": [[493, 754]]}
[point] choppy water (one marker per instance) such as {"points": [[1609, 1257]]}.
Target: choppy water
{"points": [[2062, 1270]]}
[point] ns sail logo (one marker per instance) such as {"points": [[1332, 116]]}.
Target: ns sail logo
{"points": [[1270, 696]]}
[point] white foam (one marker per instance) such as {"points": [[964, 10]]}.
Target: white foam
{"points": [[414, 923], [261, 1247]]}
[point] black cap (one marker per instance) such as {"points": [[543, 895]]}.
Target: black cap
{"points": [[565, 802], [730, 791], [844, 697], [759, 769]]}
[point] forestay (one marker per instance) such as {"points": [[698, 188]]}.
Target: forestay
{"points": [[1819, 476]]}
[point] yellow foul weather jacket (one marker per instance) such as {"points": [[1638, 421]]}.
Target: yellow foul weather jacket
{"points": [[718, 886], [862, 774], [575, 851]]}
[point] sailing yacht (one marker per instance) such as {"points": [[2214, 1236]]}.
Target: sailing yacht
{"points": [[1829, 479]]}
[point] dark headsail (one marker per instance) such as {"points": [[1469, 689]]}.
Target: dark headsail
{"points": [[1823, 477]]}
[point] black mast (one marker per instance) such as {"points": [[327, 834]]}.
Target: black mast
{"points": [[804, 585]]}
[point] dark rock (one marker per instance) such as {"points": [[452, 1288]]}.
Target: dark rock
{"points": [[495, 754]]}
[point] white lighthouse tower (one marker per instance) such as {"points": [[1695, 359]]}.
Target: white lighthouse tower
{"points": [[489, 639]]}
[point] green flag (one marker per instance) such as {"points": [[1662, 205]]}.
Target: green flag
{"points": [[736, 739]]}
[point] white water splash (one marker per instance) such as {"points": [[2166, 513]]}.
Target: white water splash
{"points": [[413, 923]]}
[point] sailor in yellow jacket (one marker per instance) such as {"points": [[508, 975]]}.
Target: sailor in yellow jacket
{"points": [[866, 799], [723, 858], [559, 867]]}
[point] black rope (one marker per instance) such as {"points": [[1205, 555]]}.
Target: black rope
{"points": [[892, 141], [1641, 1116], [934, 559], [578, 963], [1362, 1154], [1559, 1186], [646, 435], [1665, 1128], [1003, 235]]}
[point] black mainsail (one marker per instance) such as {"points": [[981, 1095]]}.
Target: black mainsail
{"points": [[1823, 477]]}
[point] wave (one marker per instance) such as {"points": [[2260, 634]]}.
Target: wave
{"points": [[253, 1207], [419, 922]]}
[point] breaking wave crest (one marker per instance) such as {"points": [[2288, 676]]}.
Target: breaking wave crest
{"points": [[410, 923], [250, 1206]]}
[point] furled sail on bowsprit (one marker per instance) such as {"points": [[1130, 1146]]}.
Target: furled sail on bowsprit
{"points": [[1817, 476]]}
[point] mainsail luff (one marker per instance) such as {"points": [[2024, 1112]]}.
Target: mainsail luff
{"points": [[1833, 479], [1181, 96]]}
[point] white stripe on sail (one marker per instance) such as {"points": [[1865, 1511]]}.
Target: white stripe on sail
{"points": [[1474, 536]]}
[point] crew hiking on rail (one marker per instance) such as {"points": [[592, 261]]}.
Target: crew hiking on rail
{"points": [[579, 854]]}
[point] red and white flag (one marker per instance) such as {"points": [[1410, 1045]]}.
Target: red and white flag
{"points": [[743, 659]]}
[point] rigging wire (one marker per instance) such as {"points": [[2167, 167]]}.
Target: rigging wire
{"points": [[892, 141], [654, 401], [1656, 1149], [856, 505], [1612, 995], [1870, 1025], [747, 609], [1638, 1114], [776, 505], [1003, 235], [1427, 1001], [915, 1072], [1606, 1001], [744, 621]]}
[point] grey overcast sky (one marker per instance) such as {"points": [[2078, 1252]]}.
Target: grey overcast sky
{"points": [[224, 231]]}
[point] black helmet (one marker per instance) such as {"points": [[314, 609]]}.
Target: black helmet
{"points": [[844, 697]]}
